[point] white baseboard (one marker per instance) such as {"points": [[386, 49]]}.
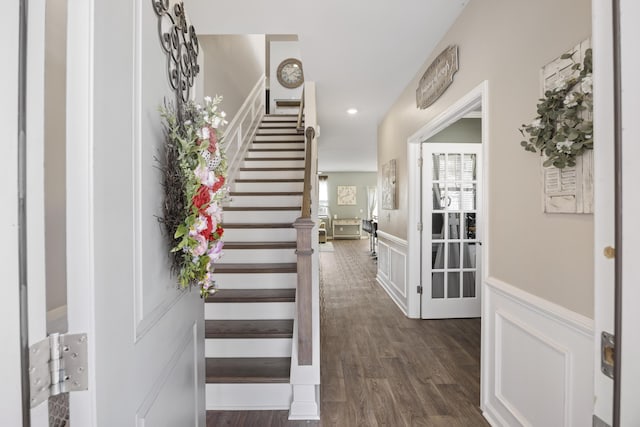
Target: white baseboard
{"points": [[537, 367]]}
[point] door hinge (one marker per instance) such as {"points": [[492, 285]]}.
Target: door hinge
{"points": [[419, 289], [419, 162], [419, 226], [607, 353], [57, 364]]}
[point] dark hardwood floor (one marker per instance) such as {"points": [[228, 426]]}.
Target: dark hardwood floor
{"points": [[378, 367]]}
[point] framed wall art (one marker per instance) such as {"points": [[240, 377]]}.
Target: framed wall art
{"points": [[346, 194], [389, 185]]}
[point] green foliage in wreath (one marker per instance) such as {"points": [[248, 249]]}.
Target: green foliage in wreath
{"points": [[563, 128]]}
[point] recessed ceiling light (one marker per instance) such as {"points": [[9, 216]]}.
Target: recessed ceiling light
{"points": [[352, 111]]}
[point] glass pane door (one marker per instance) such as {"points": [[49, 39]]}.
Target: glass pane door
{"points": [[451, 182]]}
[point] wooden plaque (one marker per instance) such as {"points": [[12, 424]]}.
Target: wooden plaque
{"points": [[437, 78]]}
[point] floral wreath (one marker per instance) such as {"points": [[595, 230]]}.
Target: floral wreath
{"points": [[563, 128], [195, 172]]}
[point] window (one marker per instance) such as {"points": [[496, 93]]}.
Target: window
{"points": [[323, 190]]}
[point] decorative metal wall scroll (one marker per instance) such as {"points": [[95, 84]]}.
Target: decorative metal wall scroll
{"points": [[180, 42], [437, 78]]}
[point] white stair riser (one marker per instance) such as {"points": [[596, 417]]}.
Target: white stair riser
{"points": [[265, 201], [271, 145], [232, 256], [293, 118], [256, 280], [260, 234], [286, 174], [271, 153], [268, 186], [299, 138], [249, 310], [244, 217], [231, 397], [273, 163], [289, 131], [247, 347], [274, 124]]}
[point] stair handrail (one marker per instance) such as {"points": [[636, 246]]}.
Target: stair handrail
{"points": [[239, 132], [299, 125], [310, 134]]}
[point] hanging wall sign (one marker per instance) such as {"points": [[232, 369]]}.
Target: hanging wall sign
{"points": [[437, 78]]}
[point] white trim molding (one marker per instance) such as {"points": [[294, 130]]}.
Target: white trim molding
{"points": [[474, 100], [392, 269], [538, 360]]}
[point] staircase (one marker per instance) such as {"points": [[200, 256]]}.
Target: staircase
{"points": [[249, 321]]}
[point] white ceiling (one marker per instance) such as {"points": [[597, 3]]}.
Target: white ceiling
{"points": [[360, 53]]}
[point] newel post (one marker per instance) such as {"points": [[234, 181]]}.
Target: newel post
{"points": [[304, 227]]}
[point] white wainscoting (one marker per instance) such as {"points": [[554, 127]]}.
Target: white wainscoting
{"points": [[537, 365], [392, 268]]}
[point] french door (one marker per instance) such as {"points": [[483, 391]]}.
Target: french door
{"points": [[451, 237]]}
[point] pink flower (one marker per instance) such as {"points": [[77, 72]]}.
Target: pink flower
{"points": [[201, 248]]}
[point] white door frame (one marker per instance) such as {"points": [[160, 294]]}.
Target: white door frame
{"points": [[478, 97]]}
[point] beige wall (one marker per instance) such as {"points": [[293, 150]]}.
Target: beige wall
{"points": [[361, 180], [506, 43], [462, 131], [232, 66]]}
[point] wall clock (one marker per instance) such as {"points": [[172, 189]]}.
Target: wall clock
{"points": [[290, 73]]}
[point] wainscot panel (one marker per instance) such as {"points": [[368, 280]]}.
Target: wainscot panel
{"points": [[392, 268], [538, 360]]}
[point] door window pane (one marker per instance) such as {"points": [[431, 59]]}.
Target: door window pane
{"points": [[468, 197], [470, 226], [453, 197], [469, 284], [437, 256], [437, 285], [454, 167], [469, 167], [439, 197], [438, 166], [453, 285], [437, 226], [469, 255], [454, 226], [454, 255]]}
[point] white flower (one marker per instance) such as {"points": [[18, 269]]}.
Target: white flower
{"points": [[206, 117], [564, 146], [216, 122], [537, 123], [187, 122], [204, 133], [207, 99], [587, 84], [201, 223], [561, 84], [571, 100], [223, 114]]}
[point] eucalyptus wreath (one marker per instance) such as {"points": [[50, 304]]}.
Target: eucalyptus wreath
{"points": [[563, 128]]}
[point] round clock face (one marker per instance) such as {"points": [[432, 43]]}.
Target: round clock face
{"points": [[290, 73]]}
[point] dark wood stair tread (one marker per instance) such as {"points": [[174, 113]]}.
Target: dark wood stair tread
{"points": [[248, 370], [250, 225], [265, 150], [262, 208], [252, 295], [275, 159], [271, 169], [265, 193], [260, 245], [268, 180], [256, 268], [238, 329]]}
